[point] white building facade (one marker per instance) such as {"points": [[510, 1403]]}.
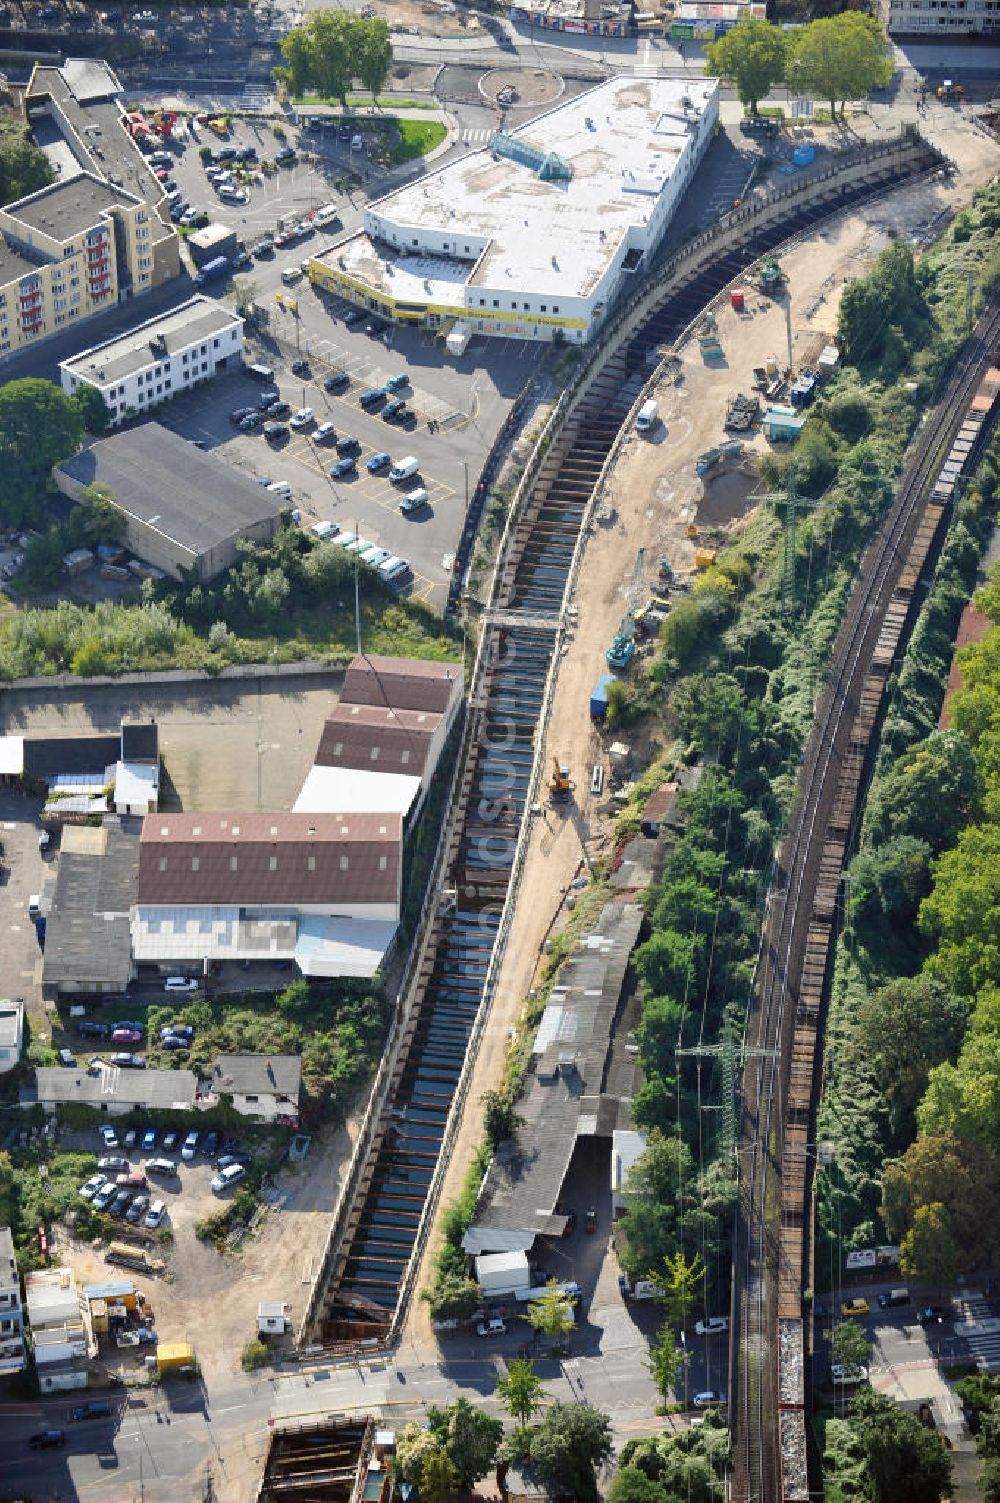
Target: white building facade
{"points": [[137, 371], [943, 17], [13, 1356], [535, 235]]}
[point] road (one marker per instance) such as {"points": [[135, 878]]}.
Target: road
{"points": [[164, 1441]]}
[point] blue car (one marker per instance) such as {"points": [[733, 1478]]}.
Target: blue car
{"points": [[149, 1140], [344, 467], [379, 462], [395, 383]]}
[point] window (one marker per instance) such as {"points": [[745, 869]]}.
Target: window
{"points": [[415, 240], [159, 389], [215, 344], [375, 752], [555, 307], [383, 862], [311, 864], [251, 1098], [272, 863], [544, 307], [195, 863], [343, 863], [496, 302], [233, 860]]}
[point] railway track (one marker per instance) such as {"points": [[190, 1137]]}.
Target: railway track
{"points": [[772, 1257], [377, 1236]]}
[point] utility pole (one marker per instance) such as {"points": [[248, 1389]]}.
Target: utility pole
{"points": [[792, 503], [731, 1056], [788, 329]]}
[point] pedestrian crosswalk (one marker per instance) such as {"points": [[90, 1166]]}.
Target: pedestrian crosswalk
{"points": [[979, 1329], [475, 137]]}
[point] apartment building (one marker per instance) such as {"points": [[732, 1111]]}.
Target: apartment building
{"points": [[99, 233], [954, 18], [12, 1351], [58, 1334]]}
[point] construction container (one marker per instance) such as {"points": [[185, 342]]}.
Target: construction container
{"points": [[174, 1356], [78, 561], [737, 299], [828, 361], [783, 424], [599, 697], [771, 366], [704, 558]]}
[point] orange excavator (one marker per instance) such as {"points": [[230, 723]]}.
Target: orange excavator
{"points": [[560, 783]]}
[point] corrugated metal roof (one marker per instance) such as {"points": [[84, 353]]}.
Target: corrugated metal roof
{"points": [[346, 790], [270, 858], [377, 739], [402, 683]]}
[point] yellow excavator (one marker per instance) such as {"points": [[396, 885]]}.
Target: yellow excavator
{"points": [[560, 783]]}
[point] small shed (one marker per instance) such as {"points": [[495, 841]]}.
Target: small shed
{"points": [[272, 1318], [783, 424], [655, 815]]}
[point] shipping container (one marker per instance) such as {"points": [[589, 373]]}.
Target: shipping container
{"points": [[599, 697]]}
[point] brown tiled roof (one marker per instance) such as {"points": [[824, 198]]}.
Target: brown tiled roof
{"points": [[403, 683], [270, 858], [377, 740]]}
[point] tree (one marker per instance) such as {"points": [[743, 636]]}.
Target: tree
{"points": [[751, 56], [500, 1120], [849, 1344], [988, 1438], [469, 1436], [929, 792], [929, 1251], [906, 1462], [98, 518], [630, 1485], [439, 1480], [374, 56], [962, 1175], [908, 1027], [570, 1443], [665, 1361], [521, 1391], [452, 1297], [887, 298], [887, 882], [989, 1480], [680, 1284], [413, 1446], [552, 1313], [840, 57], [39, 427], [24, 167], [92, 408]]}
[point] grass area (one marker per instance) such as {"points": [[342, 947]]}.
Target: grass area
{"points": [[417, 138], [361, 101]]}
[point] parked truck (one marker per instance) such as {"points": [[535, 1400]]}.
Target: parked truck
{"points": [[501, 1275], [217, 267], [173, 1357]]}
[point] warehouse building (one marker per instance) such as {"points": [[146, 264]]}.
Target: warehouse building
{"points": [[186, 510], [323, 890], [116, 1091], [536, 235], [151, 363], [88, 942]]}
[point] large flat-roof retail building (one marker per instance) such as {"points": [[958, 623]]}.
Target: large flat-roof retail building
{"points": [[97, 235], [138, 370], [186, 511], [536, 234]]}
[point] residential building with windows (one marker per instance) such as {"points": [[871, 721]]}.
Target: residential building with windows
{"points": [[11, 1034], [151, 363], [262, 1086], [13, 1356], [58, 1335], [99, 233], [920, 18], [536, 235]]}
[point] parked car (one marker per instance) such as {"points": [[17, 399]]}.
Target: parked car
{"points": [[348, 444], [91, 1029], [45, 841], [46, 1440], [190, 1146], [67, 1058], [274, 432], [155, 1214], [173, 1042], [91, 1186], [131, 1137], [178, 1031], [277, 408], [134, 1180], [708, 1399], [337, 381], [251, 421], [169, 1141], [108, 1137], [590, 1223], [129, 1061], [857, 1306], [493, 1326], [226, 1160], [128, 1023], [396, 383], [112, 1161], [302, 418], [379, 462], [714, 1325], [180, 984], [262, 248], [324, 433], [164, 1168], [121, 1202], [374, 397], [228, 1177], [847, 1373], [126, 1036], [343, 468], [415, 501], [210, 1146], [300, 367], [933, 1315], [137, 1209], [94, 1409], [286, 154], [104, 1196]]}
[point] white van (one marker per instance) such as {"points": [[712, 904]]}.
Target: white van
{"points": [[34, 905], [260, 372], [376, 557], [647, 417], [327, 214], [323, 530], [280, 488], [405, 469], [394, 570], [291, 275]]}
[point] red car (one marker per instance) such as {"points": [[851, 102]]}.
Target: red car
{"points": [[161, 174], [570, 1226], [133, 1181], [126, 1036]]}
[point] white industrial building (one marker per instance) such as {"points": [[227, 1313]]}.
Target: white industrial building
{"points": [[534, 235], [136, 371], [323, 890], [953, 18]]}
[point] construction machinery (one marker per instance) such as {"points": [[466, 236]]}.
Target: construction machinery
{"points": [[622, 650], [950, 90], [770, 276], [560, 783]]}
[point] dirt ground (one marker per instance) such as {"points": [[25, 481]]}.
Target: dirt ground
{"points": [[210, 1299], [429, 18], [656, 494]]}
